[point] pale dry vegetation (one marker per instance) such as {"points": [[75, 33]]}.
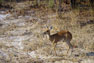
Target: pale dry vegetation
{"points": [[22, 41]]}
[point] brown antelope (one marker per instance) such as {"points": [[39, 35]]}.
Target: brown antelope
{"points": [[63, 35]]}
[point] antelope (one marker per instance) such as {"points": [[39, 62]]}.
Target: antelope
{"points": [[63, 35]]}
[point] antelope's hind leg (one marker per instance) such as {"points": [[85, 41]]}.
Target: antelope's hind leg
{"points": [[70, 47], [68, 50]]}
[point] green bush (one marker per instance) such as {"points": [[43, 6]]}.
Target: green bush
{"points": [[1, 1], [51, 3]]}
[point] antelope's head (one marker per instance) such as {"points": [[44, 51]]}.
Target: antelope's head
{"points": [[48, 30]]}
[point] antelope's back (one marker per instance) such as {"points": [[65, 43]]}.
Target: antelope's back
{"points": [[66, 34]]}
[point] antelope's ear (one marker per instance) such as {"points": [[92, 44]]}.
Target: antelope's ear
{"points": [[50, 27], [47, 27]]}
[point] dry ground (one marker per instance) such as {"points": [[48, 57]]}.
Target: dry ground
{"points": [[22, 41]]}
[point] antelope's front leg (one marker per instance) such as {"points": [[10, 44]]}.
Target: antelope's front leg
{"points": [[55, 48]]}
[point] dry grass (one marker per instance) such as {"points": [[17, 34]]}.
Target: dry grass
{"points": [[37, 48]]}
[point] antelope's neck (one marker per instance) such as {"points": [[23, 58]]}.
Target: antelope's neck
{"points": [[49, 36]]}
